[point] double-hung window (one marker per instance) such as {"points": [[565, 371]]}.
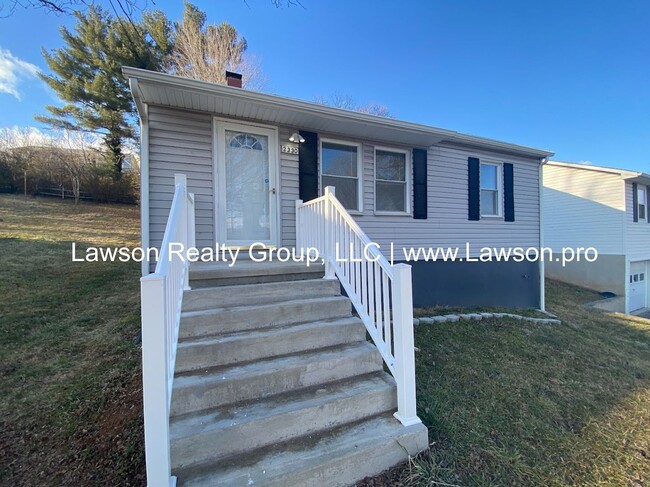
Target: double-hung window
{"points": [[391, 181], [491, 190], [641, 203], [341, 168]]}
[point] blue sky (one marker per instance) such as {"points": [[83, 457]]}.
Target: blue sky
{"points": [[569, 76]]}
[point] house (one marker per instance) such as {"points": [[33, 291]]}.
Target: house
{"points": [[264, 362], [605, 209]]}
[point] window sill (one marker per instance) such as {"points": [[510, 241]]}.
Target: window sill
{"points": [[392, 213], [491, 217]]}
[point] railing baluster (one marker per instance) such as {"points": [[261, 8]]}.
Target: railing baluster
{"points": [[381, 293]]}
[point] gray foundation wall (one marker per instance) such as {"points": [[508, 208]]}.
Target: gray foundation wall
{"points": [[607, 273], [476, 284]]}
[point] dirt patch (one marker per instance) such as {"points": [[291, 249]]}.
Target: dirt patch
{"points": [[106, 452], [390, 478]]}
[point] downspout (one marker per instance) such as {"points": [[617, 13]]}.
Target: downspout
{"points": [[144, 189], [542, 291], [144, 173], [626, 277]]}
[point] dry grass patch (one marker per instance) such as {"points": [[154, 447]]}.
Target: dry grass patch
{"points": [[70, 398], [512, 403]]}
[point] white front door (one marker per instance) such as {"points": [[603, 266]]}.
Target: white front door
{"points": [[246, 197], [638, 282]]}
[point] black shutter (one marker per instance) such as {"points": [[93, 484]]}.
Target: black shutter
{"points": [[308, 166], [508, 193], [474, 189], [647, 204], [420, 184], [635, 203]]}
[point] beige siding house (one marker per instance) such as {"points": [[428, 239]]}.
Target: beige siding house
{"points": [[468, 190], [605, 209]]}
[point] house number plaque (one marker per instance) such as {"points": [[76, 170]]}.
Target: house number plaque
{"points": [[289, 149]]}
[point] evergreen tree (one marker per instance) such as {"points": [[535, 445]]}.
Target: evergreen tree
{"points": [[87, 74]]}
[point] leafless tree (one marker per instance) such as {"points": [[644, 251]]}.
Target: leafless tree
{"points": [[124, 8], [23, 145], [205, 51], [74, 152], [346, 102]]}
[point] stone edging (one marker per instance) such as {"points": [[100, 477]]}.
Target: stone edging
{"points": [[430, 320]]}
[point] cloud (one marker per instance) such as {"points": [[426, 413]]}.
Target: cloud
{"points": [[13, 71]]}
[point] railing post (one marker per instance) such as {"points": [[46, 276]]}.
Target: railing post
{"points": [[155, 369], [328, 244], [404, 344], [181, 179], [299, 228], [191, 229], [191, 236]]}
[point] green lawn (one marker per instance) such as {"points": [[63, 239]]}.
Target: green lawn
{"points": [[70, 396], [507, 402]]}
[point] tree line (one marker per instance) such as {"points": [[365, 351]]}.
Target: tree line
{"points": [[67, 164]]}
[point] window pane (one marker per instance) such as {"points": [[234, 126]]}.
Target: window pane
{"points": [[488, 176], [391, 165], [339, 160], [489, 204], [391, 196], [346, 190]]}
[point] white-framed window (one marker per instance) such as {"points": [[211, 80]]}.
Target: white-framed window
{"points": [[340, 166], [392, 181], [491, 189], [641, 202]]}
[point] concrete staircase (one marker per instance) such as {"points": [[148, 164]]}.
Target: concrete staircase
{"points": [[276, 384]]}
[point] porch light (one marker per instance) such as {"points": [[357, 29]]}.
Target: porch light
{"points": [[296, 138]]}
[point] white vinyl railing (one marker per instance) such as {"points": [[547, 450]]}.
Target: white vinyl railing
{"points": [[375, 287], [161, 301]]}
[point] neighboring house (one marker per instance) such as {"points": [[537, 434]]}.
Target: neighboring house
{"points": [[259, 373], [607, 209]]}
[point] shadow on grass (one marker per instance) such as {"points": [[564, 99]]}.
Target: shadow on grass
{"points": [[513, 403]]}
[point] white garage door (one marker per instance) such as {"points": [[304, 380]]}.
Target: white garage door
{"points": [[638, 283]]}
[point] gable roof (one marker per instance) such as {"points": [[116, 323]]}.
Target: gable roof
{"points": [[149, 87], [626, 174]]}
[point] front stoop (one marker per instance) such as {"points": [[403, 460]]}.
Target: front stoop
{"points": [[276, 384]]}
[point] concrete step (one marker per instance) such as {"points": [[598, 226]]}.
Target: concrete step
{"points": [[234, 430], [339, 459], [240, 318], [265, 378], [250, 272], [247, 346], [238, 295]]}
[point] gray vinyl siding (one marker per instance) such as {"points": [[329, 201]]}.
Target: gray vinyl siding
{"points": [[180, 142], [638, 233], [447, 224], [289, 191]]}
